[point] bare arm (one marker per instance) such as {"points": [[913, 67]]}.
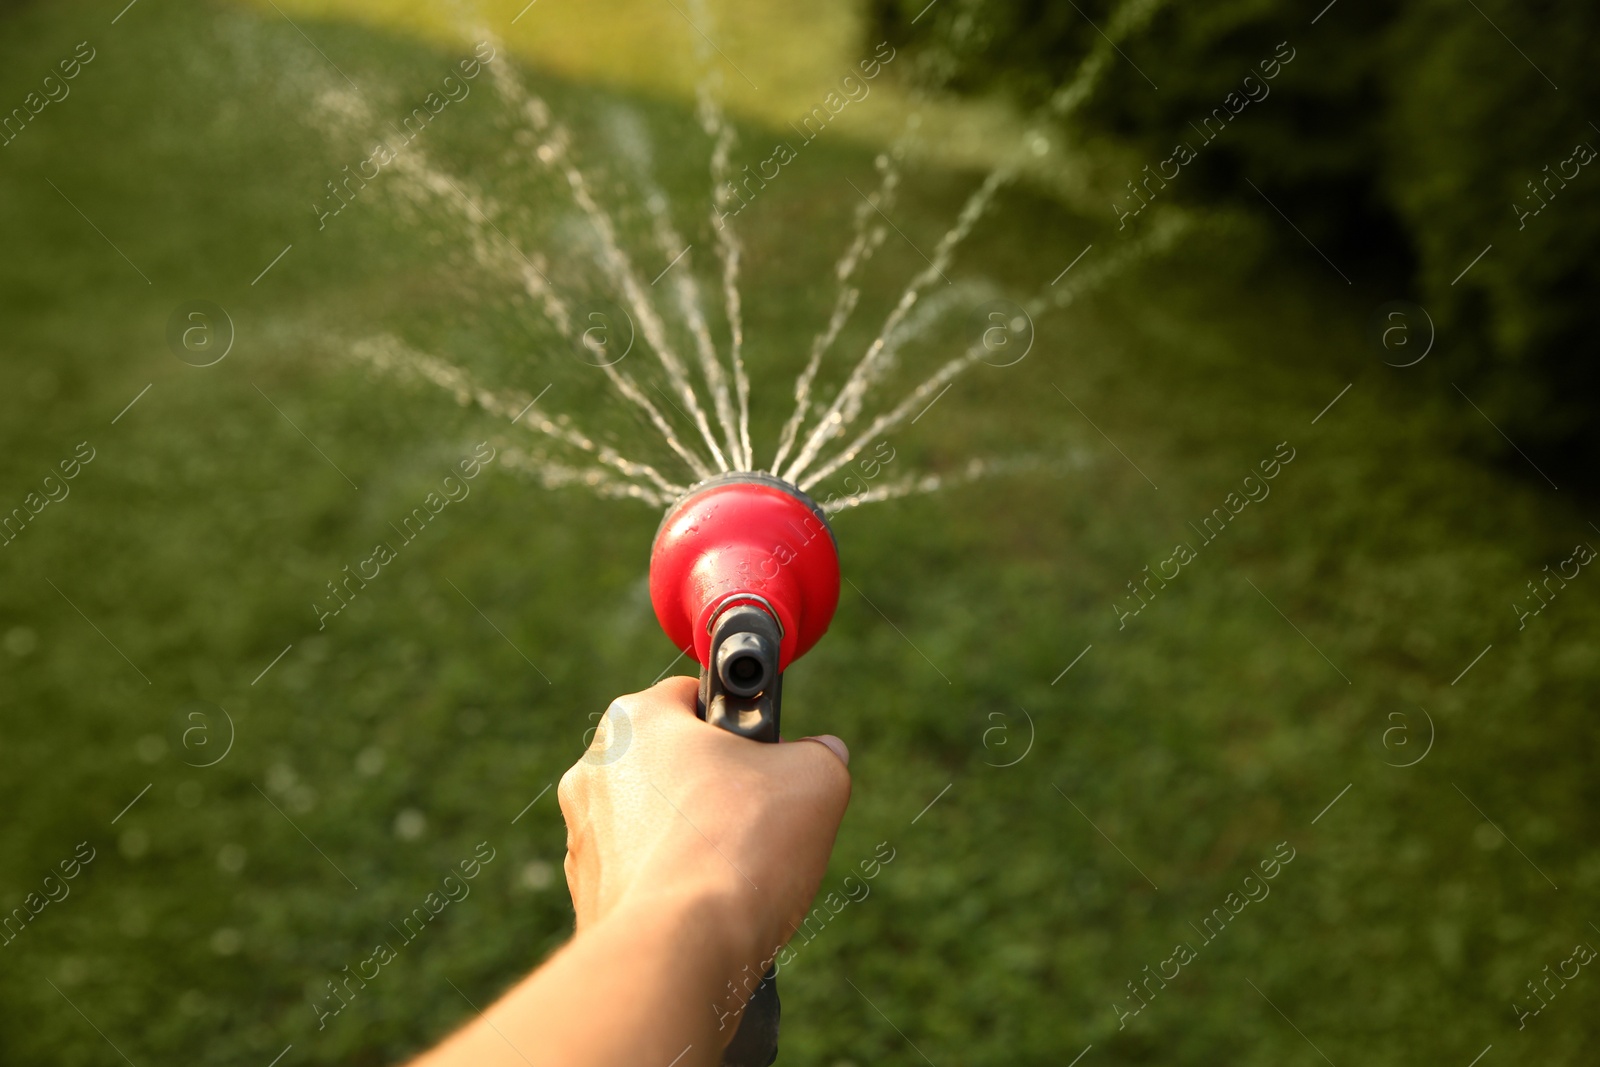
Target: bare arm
{"points": [[691, 856]]}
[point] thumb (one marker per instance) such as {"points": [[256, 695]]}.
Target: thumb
{"points": [[818, 767], [832, 744]]}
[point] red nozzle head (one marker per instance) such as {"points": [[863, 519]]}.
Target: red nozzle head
{"points": [[744, 538]]}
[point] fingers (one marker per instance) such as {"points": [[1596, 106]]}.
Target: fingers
{"points": [[670, 699], [676, 694], [822, 764]]}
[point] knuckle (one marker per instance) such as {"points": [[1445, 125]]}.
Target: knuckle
{"points": [[567, 790], [839, 782]]}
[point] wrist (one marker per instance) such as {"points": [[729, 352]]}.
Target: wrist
{"points": [[715, 919]]}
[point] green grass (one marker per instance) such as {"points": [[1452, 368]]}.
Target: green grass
{"points": [[1197, 739]]}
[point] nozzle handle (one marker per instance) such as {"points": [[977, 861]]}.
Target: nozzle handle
{"points": [[755, 1043], [741, 691]]}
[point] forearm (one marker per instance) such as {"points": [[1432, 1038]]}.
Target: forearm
{"points": [[665, 850], [638, 987]]}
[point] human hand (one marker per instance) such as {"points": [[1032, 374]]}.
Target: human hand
{"points": [[690, 815]]}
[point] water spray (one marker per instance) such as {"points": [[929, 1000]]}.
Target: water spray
{"points": [[744, 568], [744, 576]]}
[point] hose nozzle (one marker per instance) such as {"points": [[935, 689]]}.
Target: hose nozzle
{"points": [[744, 574], [742, 689], [744, 539]]}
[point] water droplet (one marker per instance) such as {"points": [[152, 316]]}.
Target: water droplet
{"points": [[301, 799], [410, 824], [226, 941], [281, 778], [536, 875], [370, 761], [20, 641], [133, 843]]}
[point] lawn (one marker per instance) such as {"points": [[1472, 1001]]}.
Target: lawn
{"points": [[265, 796]]}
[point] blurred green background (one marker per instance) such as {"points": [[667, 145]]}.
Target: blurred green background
{"points": [[1362, 616]]}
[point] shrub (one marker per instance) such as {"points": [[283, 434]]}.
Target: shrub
{"points": [[1399, 141]]}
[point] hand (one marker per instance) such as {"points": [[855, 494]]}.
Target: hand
{"points": [[688, 814], [672, 825]]}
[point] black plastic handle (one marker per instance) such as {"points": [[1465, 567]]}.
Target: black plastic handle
{"points": [[741, 691], [755, 1044]]}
